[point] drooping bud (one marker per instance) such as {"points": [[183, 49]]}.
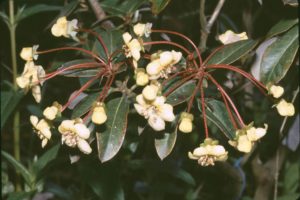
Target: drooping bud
{"points": [[186, 122], [99, 115]]}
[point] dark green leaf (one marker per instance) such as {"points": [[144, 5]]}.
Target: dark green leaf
{"points": [[9, 100], [181, 94], [216, 112], [27, 12], [232, 52], [19, 167], [279, 56], [165, 144], [294, 196], [84, 106], [159, 5], [291, 180], [184, 176], [110, 141], [282, 26], [20, 196], [46, 158]]}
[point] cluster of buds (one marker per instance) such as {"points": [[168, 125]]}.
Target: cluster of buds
{"points": [[75, 133], [209, 152], [245, 138], [284, 108]]}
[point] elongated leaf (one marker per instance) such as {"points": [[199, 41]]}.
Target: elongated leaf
{"points": [[216, 112], [232, 52], [9, 100], [181, 94], [292, 196], [165, 144], [279, 56], [46, 158], [159, 5], [110, 141], [61, 66], [29, 11], [18, 167], [282, 26], [84, 106]]}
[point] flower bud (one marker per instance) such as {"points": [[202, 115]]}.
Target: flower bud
{"points": [[142, 78], [165, 58], [150, 92], [186, 125], [99, 116], [50, 112], [142, 29], [154, 67], [82, 131], [29, 53], [285, 109], [276, 91], [84, 146]]}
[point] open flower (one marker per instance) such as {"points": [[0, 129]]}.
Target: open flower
{"points": [[142, 29], [276, 91], [161, 63], [209, 152], [246, 137], [132, 48], [53, 111], [42, 128], [29, 53], [156, 111], [186, 122], [231, 37], [75, 133], [285, 109], [65, 28], [99, 115], [141, 76], [31, 78]]}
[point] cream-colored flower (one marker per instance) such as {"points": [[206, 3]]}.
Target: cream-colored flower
{"points": [[186, 122], [75, 133], [142, 78], [29, 53], [285, 109], [156, 111], [150, 92], [31, 78], [65, 28], [230, 37], [246, 137], [132, 47], [161, 63], [142, 29], [276, 91], [42, 128], [99, 115], [209, 152], [53, 111]]}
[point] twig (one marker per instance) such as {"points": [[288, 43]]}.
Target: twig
{"points": [[100, 14], [206, 26]]}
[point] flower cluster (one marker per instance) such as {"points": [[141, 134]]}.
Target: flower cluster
{"points": [[209, 152]]}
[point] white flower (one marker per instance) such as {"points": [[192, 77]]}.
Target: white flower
{"points": [[285, 109], [186, 122], [29, 53], [65, 28], [142, 29], [276, 91], [230, 37], [99, 115], [161, 63], [150, 92], [209, 152], [156, 111], [42, 128], [132, 48], [75, 133], [142, 78], [53, 111], [31, 78]]}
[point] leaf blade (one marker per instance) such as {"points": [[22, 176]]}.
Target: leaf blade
{"points": [[165, 144]]}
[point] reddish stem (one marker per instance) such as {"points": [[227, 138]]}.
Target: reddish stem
{"points": [[168, 42], [203, 109], [72, 48], [193, 95], [179, 84], [106, 87], [176, 74]]}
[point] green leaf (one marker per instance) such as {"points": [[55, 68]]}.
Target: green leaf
{"points": [[20, 196], [279, 56], [291, 178], [85, 105], [28, 177], [5, 18], [27, 12], [281, 26], [165, 144], [232, 52], [110, 141], [159, 5], [9, 100], [46, 158], [294, 196], [181, 94], [216, 112], [184, 176]]}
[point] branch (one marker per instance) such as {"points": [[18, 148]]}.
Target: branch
{"points": [[100, 14]]}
